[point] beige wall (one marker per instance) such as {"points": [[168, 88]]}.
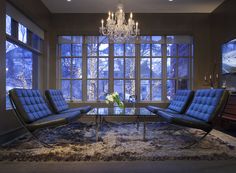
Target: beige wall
{"points": [[197, 25], [223, 29]]}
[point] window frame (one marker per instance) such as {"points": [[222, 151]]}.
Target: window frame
{"points": [[137, 78], [28, 45]]}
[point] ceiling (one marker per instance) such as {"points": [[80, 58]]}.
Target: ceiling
{"points": [[136, 6]]}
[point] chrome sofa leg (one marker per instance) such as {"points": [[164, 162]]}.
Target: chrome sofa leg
{"points": [[196, 141]]}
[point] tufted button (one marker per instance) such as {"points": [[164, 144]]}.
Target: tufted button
{"points": [[204, 103]]}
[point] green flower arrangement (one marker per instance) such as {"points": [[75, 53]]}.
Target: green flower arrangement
{"points": [[114, 98]]}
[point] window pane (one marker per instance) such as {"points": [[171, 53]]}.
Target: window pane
{"points": [[156, 67], [171, 87], [65, 50], [183, 67], [171, 50], [156, 39], [183, 84], [103, 49], [92, 68], [130, 50], [156, 90], [65, 67], [8, 25], [76, 49], [76, 68], [19, 62], [103, 67], [119, 87], [103, 39], [92, 90], [92, 49], [130, 68], [18, 67], [118, 67], [36, 42], [145, 68], [183, 50], [118, 50], [129, 88], [102, 89], [22, 33], [65, 87], [65, 39], [145, 90], [171, 67], [156, 50], [76, 89], [145, 50], [145, 39], [77, 39]]}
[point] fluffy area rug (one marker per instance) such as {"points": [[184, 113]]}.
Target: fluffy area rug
{"points": [[119, 142]]}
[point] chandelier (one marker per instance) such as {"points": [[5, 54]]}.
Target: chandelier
{"points": [[116, 27]]}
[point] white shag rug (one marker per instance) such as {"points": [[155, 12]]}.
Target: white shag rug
{"points": [[120, 141]]}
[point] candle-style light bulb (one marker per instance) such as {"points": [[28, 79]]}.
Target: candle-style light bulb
{"points": [[112, 15], [131, 15], [109, 15], [136, 27], [102, 21]]}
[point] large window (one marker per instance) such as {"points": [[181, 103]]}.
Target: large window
{"points": [[21, 57], [152, 68], [124, 70], [97, 68]]}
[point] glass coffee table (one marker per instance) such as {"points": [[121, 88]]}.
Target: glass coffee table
{"points": [[116, 114]]}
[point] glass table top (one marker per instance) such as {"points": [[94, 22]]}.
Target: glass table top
{"points": [[116, 111]]}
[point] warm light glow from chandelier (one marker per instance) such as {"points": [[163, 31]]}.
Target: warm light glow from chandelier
{"points": [[116, 27]]}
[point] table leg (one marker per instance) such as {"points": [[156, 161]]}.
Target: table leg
{"points": [[144, 130], [138, 123], [97, 128]]}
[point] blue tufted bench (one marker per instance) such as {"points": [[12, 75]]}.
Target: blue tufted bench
{"points": [[179, 103], [33, 112], [205, 106], [59, 104]]}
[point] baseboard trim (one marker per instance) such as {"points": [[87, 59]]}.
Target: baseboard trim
{"points": [[11, 136]]}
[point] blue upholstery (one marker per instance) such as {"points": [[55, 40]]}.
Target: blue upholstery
{"points": [[54, 120], [181, 100], [56, 100], [204, 104], [30, 104], [59, 105], [83, 109], [184, 120], [179, 103]]}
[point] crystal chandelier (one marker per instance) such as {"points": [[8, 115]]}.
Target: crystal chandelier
{"points": [[116, 27]]}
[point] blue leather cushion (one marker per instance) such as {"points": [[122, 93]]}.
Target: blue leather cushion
{"points": [[30, 104], [181, 101], [56, 100], [155, 109], [83, 109], [54, 120], [185, 120], [205, 103]]}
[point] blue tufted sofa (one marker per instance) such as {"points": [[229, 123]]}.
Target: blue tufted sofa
{"points": [[33, 112], [205, 106], [59, 104], [179, 103]]}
